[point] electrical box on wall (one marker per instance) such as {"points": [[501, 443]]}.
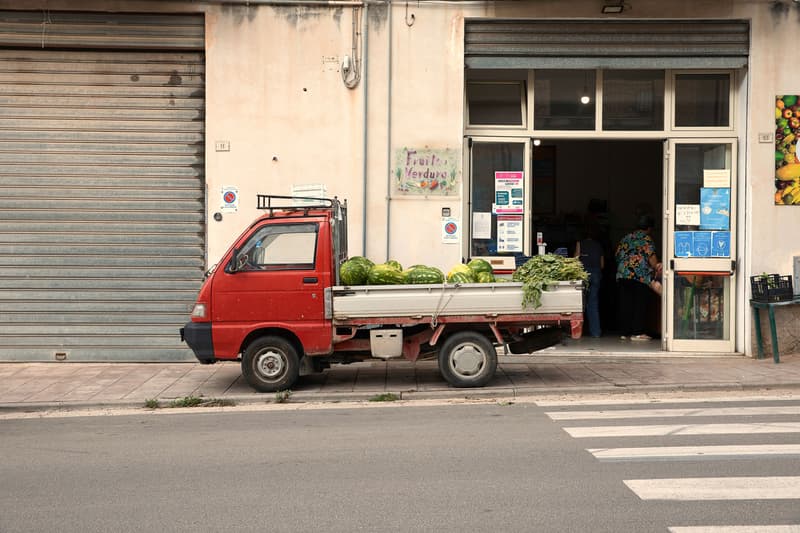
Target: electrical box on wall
{"points": [[797, 275]]}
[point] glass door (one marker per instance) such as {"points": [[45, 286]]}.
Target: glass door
{"points": [[700, 245], [497, 198]]}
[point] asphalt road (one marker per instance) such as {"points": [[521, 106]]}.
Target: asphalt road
{"points": [[460, 467]]}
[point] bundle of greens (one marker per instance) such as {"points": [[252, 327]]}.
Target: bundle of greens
{"points": [[542, 270]]}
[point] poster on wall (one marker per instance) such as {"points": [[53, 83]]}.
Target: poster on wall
{"points": [[508, 193], [427, 172], [787, 166]]}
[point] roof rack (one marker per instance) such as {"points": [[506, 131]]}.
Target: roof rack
{"points": [[271, 202]]}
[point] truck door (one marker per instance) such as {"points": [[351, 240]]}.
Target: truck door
{"points": [[278, 280]]}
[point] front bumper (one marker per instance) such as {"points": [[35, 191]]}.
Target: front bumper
{"points": [[198, 336]]}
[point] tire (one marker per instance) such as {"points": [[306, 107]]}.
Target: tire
{"points": [[270, 364], [467, 359]]}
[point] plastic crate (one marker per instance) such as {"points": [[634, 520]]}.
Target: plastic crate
{"points": [[771, 288]]}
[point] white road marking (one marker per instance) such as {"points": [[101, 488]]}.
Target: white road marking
{"points": [[736, 529], [694, 452], [663, 413], [717, 488], [789, 396], [664, 430]]}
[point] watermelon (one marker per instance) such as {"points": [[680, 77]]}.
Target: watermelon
{"points": [[364, 260], [395, 264], [480, 265], [485, 277], [461, 274], [354, 272], [384, 274], [420, 274]]}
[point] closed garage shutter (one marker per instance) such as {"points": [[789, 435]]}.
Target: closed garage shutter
{"points": [[101, 187], [612, 44]]}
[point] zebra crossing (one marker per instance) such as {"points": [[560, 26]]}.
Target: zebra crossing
{"points": [[758, 418]]}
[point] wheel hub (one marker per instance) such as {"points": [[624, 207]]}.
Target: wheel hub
{"points": [[270, 364], [467, 360]]}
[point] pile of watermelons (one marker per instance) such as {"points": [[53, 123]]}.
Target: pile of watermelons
{"points": [[361, 271]]}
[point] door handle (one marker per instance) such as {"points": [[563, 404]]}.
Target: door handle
{"points": [[309, 280]]}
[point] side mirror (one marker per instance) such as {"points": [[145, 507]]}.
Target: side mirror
{"points": [[233, 265]]}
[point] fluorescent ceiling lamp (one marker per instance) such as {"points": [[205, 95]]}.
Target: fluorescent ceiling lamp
{"points": [[609, 9]]}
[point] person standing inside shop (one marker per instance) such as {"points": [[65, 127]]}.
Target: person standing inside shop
{"points": [[637, 267], [590, 252]]}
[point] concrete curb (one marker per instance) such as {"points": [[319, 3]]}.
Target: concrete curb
{"points": [[405, 395]]}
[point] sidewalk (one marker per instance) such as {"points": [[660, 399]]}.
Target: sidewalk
{"points": [[38, 386]]}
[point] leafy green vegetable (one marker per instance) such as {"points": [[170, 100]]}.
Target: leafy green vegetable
{"points": [[542, 270]]}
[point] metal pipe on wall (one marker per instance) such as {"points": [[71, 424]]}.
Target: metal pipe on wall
{"points": [[365, 80], [389, 132]]}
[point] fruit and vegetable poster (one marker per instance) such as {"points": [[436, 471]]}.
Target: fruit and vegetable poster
{"points": [[427, 172], [787, 166]]}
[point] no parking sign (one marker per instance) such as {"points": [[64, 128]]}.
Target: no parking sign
{"points": [[451, 230], [230, 200]]}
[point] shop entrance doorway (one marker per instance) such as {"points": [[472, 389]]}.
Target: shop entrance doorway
{"points": [[604, 188]]}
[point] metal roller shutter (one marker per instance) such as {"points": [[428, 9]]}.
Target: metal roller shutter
{"points": [[102, 233], [615, 44]]}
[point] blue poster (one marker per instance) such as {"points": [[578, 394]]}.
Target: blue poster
{"points": [[721, 244], [701, 244], [683, 244], [715, 208]]}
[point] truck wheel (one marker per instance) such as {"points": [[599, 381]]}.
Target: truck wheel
{"points": [[270, 364], [467, 359]]}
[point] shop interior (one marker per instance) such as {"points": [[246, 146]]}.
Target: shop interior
{"points": [[605, 184]]}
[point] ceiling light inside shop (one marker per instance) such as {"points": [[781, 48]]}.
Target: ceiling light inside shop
{"points": [[585, 99], [613, 8]]}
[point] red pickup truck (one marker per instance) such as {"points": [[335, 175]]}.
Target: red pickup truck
{"points": [[275, 301]]}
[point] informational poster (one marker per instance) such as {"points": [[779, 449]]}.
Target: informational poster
{"points": [[687, 214], [683, 244], [508, 193], [229, 197], [481, 225], [717, 178], [509, 233], [787, 142], [721, 244], [702, 244], [715, 208], [451, 230]]}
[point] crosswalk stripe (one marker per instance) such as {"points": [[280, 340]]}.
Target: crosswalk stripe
{"points": [[736, 529], [654, 401], [693, 452], [580, 432], [663, 413], [716, 488]]}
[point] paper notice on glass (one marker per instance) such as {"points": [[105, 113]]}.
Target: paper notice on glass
{"points": [[717, 178], [509, 233], [687, 214], [481, 225]]}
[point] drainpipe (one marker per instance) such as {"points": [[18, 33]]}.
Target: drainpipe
{"points": [[389, 133], [365, 80]]}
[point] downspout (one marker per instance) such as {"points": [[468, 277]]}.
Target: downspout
{"points": [[365, 56], [389, 134]]}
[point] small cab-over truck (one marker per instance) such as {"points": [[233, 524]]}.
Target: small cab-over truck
{"points": [[276, 301]]}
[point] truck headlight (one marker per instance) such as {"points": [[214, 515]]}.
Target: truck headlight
{"points": [[199, 310]]}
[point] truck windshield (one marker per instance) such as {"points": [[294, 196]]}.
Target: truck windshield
{"points": [[279, 247]]}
